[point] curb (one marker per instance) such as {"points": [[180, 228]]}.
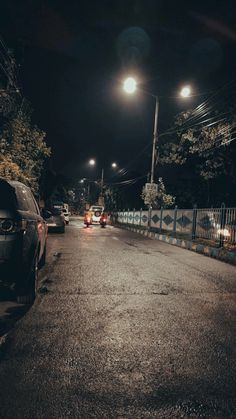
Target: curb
{"points": [[216, 253]]}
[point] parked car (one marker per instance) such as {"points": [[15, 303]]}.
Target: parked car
{"points": [[66, 215], [55, 220], [23, 234]]}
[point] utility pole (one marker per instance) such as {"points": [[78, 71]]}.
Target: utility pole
{"points": [[155, 138], [102, 180]]}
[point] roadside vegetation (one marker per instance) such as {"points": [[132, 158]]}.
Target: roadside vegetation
{"points": [[23, 148]]}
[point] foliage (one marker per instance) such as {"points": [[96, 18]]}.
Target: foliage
{"points": [[204, 149], [23, 149], [113, 198], [159, 199], [205, 145]]}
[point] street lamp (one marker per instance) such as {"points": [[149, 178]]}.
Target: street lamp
{"points": [[114, 165], [130, 86], [185, 91], [92, 162]]}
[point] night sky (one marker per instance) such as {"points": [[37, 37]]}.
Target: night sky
{"points": [[73, 56]]}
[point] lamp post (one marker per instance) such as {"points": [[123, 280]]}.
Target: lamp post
{"points": [[92, 162], [155, 138], [130, 87]]}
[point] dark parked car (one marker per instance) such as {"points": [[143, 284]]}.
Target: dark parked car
{"points": [[23, 234], [55, 220]]}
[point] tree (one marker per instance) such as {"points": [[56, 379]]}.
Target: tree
{"points": [[23, 150], [205, 149], [157, 199], [113, 198]]}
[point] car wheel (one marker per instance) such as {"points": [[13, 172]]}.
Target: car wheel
{"points": [[43, 258], [27, 296], [67, 222]]}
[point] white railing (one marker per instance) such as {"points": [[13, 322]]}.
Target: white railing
{"points": [[216, 224]]}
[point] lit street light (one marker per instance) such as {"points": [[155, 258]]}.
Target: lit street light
{"points": [[92, 162], [185, 91], [130, 85]]}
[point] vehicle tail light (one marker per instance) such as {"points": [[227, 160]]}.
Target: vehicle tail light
{"points": [[10, 226], [40, 227]]}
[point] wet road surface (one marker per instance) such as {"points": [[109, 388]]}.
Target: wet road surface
{"points": [[125, 327]]}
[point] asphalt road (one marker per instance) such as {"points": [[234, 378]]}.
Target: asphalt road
{"points": [[124, 327]]}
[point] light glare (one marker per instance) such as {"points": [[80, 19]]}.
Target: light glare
{"points": [[186, 91], [130, 85], [92, 162]]}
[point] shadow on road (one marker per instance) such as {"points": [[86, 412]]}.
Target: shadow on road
{"points": [[10, 310]]}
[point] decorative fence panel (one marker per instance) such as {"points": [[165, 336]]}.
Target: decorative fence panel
{"points": [[217, 224], [230, 225], [156, 219], [168, 220], [144, 219], [184, 221], [136, 218], [208, 223]]}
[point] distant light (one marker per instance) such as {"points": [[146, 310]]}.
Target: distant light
{"points": [[92, 162], [82, 181], [114, 165], [224, 232], [186, 91], [130, 85]]}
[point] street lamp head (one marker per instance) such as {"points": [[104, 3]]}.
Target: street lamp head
{"points": [[130, 85], [185, 91], [114, 165], [92, 162]]}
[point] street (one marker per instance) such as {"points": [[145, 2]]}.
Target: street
{"points": [[125, 327]]}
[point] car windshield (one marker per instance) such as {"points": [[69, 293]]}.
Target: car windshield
{"points": [[8, 196], [96, 209], [55, 211]]}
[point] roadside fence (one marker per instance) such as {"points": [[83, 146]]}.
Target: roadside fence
{"points": [[216, 224]]}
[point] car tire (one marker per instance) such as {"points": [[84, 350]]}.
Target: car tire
{"points": [[43, 258], [67, 222], [27, 296]]}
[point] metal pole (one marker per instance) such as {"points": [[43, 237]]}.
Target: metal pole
{"points": [[88, 192], [102, 180], [155, 137]]}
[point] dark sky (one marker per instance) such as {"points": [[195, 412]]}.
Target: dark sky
{"points": [[74, 55]]}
